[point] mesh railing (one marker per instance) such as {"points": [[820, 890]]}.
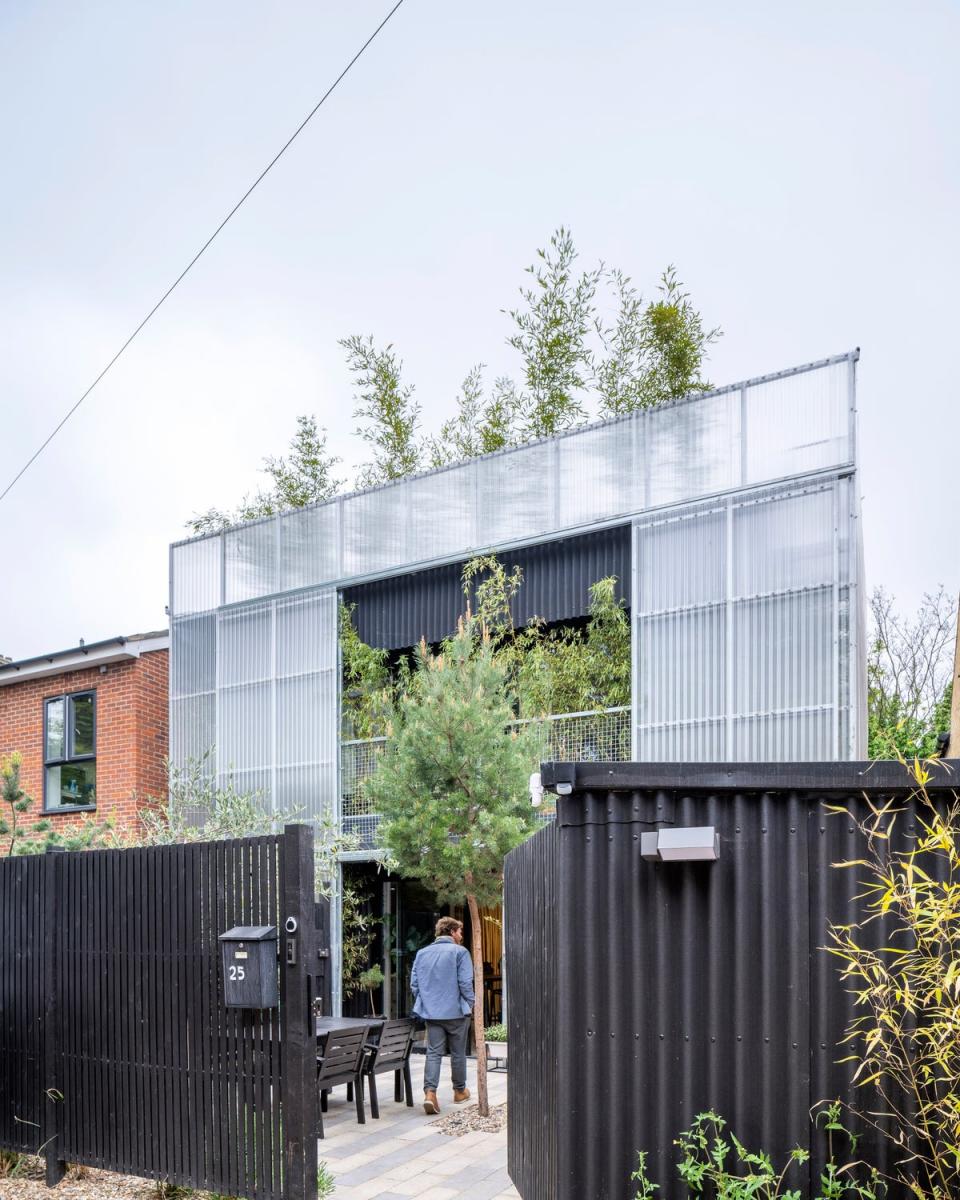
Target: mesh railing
{"points": [[600, 736]]}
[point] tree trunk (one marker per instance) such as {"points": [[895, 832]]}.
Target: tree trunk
{"points": [[476, 940]]}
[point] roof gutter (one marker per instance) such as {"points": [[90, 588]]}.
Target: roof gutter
{"points": [[96, 654]]}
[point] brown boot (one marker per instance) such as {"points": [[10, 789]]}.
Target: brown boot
{"points": [[460, 1094], [431, 1105]]}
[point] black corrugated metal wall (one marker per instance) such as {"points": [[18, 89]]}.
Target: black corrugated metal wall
{"points": [[679, 987], [397, 612]]}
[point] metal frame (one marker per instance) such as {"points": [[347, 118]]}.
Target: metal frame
{"points": [[68, 758]]}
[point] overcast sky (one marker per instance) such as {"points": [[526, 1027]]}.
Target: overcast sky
{"points": [[798, 164]]}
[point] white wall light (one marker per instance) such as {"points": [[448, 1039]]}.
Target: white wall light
{"points": [[693, 844], [536, 790]]}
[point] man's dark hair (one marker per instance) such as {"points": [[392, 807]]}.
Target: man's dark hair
{"points": [[448, 926]]}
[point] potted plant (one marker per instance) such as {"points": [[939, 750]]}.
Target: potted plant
{"points": [[496, 1039], [370, 979]]}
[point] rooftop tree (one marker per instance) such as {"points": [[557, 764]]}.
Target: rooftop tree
{"points": [[305, 477], [452, 788]]}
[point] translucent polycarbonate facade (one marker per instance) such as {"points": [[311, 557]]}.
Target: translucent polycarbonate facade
{"points": [[746, 597], [256, 687], [745, 625]]}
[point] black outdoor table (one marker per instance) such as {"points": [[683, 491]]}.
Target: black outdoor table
{"points": [[328, 1025]]}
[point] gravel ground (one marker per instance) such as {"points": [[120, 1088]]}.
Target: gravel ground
{"points": [[468, 1120], [82, 1184]]}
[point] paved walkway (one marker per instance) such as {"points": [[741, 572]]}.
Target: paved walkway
{"points": [[403, 1155]]}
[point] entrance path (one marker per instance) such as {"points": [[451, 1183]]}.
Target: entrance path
{"points": [[403, 1155]]}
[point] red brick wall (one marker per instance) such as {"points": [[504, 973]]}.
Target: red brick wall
{"points": [[132, 734]]}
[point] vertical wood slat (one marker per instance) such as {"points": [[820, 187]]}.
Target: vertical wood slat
{"points": [[52, 1067], [114, 955], [298, 1036]]}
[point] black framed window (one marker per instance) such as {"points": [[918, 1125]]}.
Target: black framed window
{"points": [[70, 752]]}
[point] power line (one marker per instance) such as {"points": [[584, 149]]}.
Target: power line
{"points": [[206, 245]]}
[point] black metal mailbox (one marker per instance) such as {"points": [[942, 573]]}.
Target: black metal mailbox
{"points": [[250, 977]]}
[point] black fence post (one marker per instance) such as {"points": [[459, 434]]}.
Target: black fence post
{"points": [[56, 1167], [298, 959]]}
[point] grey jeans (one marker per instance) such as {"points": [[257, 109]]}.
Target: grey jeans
{"points": [[446, 1037]]}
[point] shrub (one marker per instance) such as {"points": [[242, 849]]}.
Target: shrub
{"points": [[905, 1038], [715, 1162], [496, 1033]]}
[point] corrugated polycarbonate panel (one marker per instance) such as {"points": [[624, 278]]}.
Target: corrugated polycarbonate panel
{"points": [[516, 494], [796, 423], [309, 547], [601, 473], [193, 656], [306, 633], [692, 449], [742, 628], [271, 708], [245, 728], [245, 644], [250, 567], [193, 730], [195, 583], [374, 531], [453, 494]]}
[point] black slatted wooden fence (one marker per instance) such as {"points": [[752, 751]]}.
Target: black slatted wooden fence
{"points": [[116, 1048]]}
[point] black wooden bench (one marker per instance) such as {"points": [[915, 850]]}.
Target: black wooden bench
{"points": [[390, 1053], [342, 1061]]}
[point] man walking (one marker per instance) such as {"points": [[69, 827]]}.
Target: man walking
{"points": [[442, 985]]}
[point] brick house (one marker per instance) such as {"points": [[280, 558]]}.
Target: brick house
{"points": [[92, 726]]}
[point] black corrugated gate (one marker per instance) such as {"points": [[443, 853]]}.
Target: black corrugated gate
{"points": [[116, 1048], [643, 993]]}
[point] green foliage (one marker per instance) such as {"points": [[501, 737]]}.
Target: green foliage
{"points": [[305, 477], [325, 1182], [905, 1038], [365, 682], [479, 425], [909, 676], [389, 418], [495, 1033], [20, 834], [619, 370], [358, 931], [552, 331], [561, 670], [714, 1162], [198, 808], [673, 343], [572, 361], [566, 670], [452, 787], [12, 1164], [372, 977], [370, 980]]}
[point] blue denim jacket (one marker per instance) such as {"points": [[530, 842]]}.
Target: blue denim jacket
{"points": [[442, 981]]}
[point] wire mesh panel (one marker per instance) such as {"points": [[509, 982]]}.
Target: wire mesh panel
{"points": [[600, 736], [358, 761]]}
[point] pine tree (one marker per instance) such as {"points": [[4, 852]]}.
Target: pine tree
{"points": [[452, 788]]}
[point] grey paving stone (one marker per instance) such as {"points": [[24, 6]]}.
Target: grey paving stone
{"points": [[395, 1158], [486, 1189]]}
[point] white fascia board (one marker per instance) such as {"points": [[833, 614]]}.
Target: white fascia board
{"points": [[80, 660]]}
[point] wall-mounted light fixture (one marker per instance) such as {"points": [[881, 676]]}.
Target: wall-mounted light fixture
{"points": [[536, 790], [694, 844]]}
